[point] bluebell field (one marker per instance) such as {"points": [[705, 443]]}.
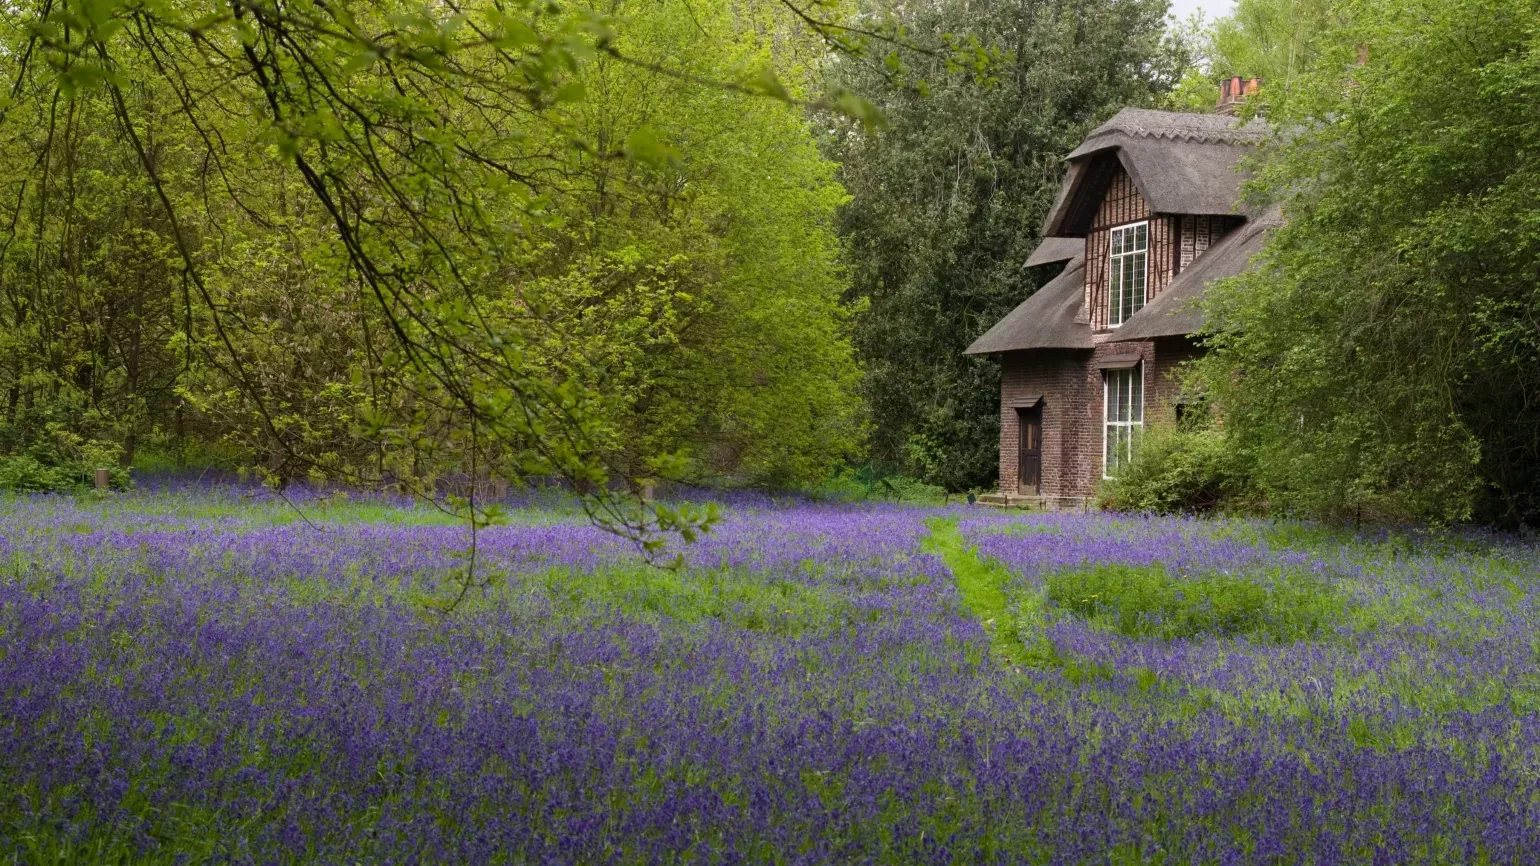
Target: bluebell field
{"points": [[197, 676]]}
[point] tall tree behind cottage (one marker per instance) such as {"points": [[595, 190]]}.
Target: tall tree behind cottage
{"points": [[948, 202]]}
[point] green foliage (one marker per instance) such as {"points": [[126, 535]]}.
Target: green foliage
{"points": [[1274, 40], [864, 484], [1383, 360], [388, 242], [946, 203], [703, 300], [46, 467], [1179, 468], [1146, 601]]}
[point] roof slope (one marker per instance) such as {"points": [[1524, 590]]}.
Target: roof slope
{"points": [[1181, 163], [1055, 250], [1046, 320], [1175, 311]]}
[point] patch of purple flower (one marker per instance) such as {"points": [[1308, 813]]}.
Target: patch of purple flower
{"points": [[180, 681]]}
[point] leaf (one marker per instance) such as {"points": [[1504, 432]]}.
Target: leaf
{"points": [[765, 82], [859, 108], [644, 145]]}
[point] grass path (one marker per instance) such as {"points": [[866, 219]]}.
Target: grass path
{"points": [[981, 583]]}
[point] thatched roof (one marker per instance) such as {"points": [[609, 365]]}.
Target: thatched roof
{"points": [[1175, 311], [1181, 163], [1170, 126], [1046, 320], [1056, 250]]}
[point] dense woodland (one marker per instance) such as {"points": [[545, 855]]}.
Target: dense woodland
{"points": [[742, 241]]}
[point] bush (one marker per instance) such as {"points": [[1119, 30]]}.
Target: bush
{"points": [[1146, 601], [44, 467], [1179, 469], [862, 484]]}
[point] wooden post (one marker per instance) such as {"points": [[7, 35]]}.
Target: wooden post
{"points": [[103, 479], [499, 488], [646, 491]]}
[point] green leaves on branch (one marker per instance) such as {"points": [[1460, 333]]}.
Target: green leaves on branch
{"points": [[1383, 361]]}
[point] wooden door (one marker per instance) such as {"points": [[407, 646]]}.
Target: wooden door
{"points": [[1030, 462]]}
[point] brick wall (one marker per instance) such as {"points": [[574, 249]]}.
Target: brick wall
{"points": [[1059, 376], [1162, 379], [1198, 233], [1070, 383]]}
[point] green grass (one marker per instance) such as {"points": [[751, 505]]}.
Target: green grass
{"points": [[981, 583], [1144, 601]]}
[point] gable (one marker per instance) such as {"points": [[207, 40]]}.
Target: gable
{"points": [[1121, 204], [1121, 201], [1180, 164]]}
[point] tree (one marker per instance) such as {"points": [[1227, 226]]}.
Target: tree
{"points": [[701, 292], [1273, 40], [947, 202], [386, 240], [1385, 358]]}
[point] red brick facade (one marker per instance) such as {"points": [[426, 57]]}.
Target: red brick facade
{"points": [[1069, 384]]}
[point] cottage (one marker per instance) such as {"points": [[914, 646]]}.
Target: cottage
{"points": [[1148, 215]]}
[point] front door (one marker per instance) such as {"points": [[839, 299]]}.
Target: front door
{"points": [[1030, 474]]}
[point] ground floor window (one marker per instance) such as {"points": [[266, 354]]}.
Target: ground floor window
{"points": [[1123, 402]]}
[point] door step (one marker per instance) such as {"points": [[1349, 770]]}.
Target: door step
{"points": [[1036, 503]]}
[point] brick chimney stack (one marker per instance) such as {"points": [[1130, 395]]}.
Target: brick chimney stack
{"points": [[1233, 93]]}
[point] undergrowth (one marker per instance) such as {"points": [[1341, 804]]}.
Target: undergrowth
{"points": [[1148, 602]]}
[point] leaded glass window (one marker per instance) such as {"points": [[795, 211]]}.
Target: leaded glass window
{"points": [[1127, 272], [1123, 407]]}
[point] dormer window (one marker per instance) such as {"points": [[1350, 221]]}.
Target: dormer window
{"points": [[1127, 272]]}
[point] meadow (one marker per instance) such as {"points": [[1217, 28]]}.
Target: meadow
{"points": [[199, 675]]}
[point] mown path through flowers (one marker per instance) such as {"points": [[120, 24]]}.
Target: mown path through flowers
{"points": [[980, 583]]}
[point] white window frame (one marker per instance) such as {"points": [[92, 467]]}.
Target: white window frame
{"points": [[1132, 423], [1117, 256]]}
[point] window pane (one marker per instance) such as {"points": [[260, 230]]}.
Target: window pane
{"points": [[1108, 463], [1136, 396], [1128, 285], [1127, 264], [1114, 293], [1136, 273]]}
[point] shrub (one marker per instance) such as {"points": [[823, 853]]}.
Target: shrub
{"points": [[1146, 601], [862, 483], [44, 467], [1179, 469]]}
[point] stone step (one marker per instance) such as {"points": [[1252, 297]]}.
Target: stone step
{"points": [[1036, 503]]}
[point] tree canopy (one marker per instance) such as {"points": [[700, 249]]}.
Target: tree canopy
{"points": [[1386, 357], [385, 240]]}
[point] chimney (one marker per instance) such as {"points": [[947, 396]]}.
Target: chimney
{"points": [[1233, 92]]}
